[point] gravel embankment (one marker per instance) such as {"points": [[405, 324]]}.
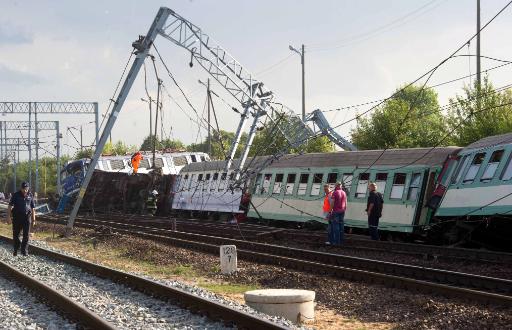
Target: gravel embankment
{"points": [[20, 309], [355, 300], [125, 308]]}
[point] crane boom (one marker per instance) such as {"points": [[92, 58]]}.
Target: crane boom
{"points": [[224, 68], [321, 122], [236, 80]]}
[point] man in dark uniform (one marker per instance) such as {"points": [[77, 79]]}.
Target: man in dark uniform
{"points": [[21, 207], [374, 211]]}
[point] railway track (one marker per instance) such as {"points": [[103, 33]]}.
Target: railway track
{"points": [[180, 298], [449, 283], [261, 233], [74, 311]]}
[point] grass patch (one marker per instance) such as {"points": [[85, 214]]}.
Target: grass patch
{"points": [[227, 287], [183, 270]]}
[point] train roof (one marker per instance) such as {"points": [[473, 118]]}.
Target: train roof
{"points": [[391, 157], [491, 141]]}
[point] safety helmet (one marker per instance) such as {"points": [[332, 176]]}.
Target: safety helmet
{"points": [[154, 192]]}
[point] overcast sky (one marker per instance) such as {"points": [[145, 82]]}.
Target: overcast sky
{"points": [[356, 51]]}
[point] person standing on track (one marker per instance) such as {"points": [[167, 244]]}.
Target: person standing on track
{"points": [[326, 208], [374, 210], [23, 215], [338, 208]]}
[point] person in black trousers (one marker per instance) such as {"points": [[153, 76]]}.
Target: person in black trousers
{"points": [[374, 211], [21, 208]]}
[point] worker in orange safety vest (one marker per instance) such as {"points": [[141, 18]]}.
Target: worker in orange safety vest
{"points": [[136, 158], [327, 208]]}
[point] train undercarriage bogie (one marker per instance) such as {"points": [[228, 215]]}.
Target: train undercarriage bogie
{"points": [[485, 232]]}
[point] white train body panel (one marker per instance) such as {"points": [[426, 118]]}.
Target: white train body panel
{"points": [[204, 187]]}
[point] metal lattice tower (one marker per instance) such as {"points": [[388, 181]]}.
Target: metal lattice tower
{"points": [[35, 108], [32, 125]]}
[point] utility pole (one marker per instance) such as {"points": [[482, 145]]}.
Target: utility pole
{"points": [[478, 76], [36, 184], [301, 54], [81, 138], [209, 128], [29, 145]]}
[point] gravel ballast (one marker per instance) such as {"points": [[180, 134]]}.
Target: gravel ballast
{"points": [[125, 308], [20, 309], [349, 305]]}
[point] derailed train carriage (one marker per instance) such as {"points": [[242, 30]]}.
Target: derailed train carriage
{"points": [[291, 189], [448, 193], [113, 188], [477, 203]]}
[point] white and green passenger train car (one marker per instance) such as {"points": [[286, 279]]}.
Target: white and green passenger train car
{"points": [[292, 188], [480, 182]]}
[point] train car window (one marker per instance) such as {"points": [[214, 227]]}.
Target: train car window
{"points": [[362, 185], [290, 183], [257, 184], [278, 184], [232, 176], [317, 183], [214, 184], [397, 190], [266, 183], [457, 174], [116, 164], [492, 166], [192, 183], [223, 184], [180, 161], [380, 180], [303, 184], [412, 194], [203, 159], [206, 181], [193, 157], [347, 181], [159, 163], [144, 163], [475, 166], [331, 180], [507, 171], [185, 183]]}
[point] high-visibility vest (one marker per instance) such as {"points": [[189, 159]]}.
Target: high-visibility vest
{"points": [[327, 202]]}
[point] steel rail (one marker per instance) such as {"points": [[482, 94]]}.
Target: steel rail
{"points": [[258, 231], [350, 267], [421, 273], [72, 309], [187, 300], [422, 249]]}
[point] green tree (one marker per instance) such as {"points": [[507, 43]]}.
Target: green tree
{"points": [[84, 153], [473, 118], [147, 144], [221, 144], [47, 175], [412, 118], [173, 144]]}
